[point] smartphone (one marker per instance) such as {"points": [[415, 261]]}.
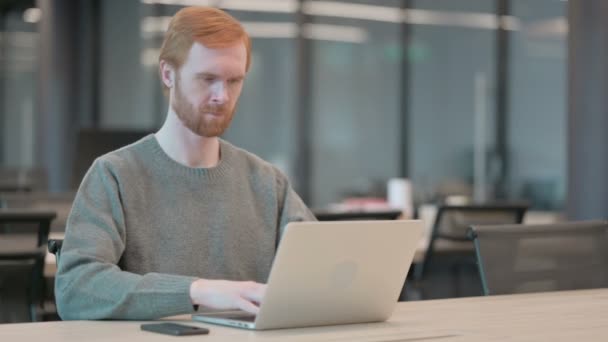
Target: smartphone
{"points": [[174, 329]]}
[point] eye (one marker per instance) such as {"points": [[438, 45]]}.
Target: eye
{"points": [[233, 81]]}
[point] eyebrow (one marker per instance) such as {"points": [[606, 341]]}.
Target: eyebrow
{"points": [[209, 74], [205, 74]]}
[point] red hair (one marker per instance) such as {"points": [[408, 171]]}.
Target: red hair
{"points": [[209, 26]]}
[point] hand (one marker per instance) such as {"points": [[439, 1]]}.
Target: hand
{"points": [[224, 294]]}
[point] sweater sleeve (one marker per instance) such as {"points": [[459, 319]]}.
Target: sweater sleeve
{"points": [[89, 283], [291, 206]]}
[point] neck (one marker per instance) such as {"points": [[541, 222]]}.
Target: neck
{"points": [[185, 147]]}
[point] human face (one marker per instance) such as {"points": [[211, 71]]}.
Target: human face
{"points": [[207, 88]]}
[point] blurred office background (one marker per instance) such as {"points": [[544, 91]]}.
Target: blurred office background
{"points": [[342, 95], [471, 101]]}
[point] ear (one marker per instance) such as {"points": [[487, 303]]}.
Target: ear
{"points": [[167, 74]]}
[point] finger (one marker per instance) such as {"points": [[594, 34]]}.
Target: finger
{"points": [[255, 293], [247, 306]]}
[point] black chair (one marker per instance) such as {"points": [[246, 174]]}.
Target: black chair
{"points": [[93, 142], [449, 241], [54, 246], [23, 239], [61, 204], [535, 258]]}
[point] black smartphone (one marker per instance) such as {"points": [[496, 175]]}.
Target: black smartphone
{"points": [[174, 329]]}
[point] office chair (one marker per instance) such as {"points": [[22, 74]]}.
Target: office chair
{"points": [[61, 204], [23, 237], [54, 247], [449, 236], [93, 142], [535, 258]]}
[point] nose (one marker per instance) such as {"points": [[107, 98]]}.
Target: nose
{"points": [[219, 93]]}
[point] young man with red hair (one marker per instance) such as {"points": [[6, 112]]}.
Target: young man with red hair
{"points": [[180, 218]]}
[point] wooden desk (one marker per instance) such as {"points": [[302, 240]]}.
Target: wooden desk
{"points": [[554, 316]]}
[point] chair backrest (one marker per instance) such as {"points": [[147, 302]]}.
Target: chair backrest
{"points": [[92, 143], [451, 224], [23, 239], [54, 246], [452, 221], [548, 257]]}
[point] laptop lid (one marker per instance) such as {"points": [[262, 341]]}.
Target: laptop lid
{"points": [[340, 272]]}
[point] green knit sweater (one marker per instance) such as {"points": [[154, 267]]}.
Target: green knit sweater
{"points": [[143, 227]]}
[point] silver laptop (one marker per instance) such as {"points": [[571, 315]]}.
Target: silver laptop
{"points": [[327, 273]]}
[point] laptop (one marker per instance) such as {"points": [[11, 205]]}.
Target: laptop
{"points": [[329, 273]]}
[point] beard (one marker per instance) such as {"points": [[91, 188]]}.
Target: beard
{"points": [[198, 119]]}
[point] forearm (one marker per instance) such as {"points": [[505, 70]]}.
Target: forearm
{"points": [[102, 291]]}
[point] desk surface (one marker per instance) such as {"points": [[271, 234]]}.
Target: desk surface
{"points": [[554, 316]]}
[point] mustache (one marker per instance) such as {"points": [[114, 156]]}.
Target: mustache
{"points": [[213, 109]]}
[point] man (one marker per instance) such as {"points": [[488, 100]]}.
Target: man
{"points": [[158, 224]]}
